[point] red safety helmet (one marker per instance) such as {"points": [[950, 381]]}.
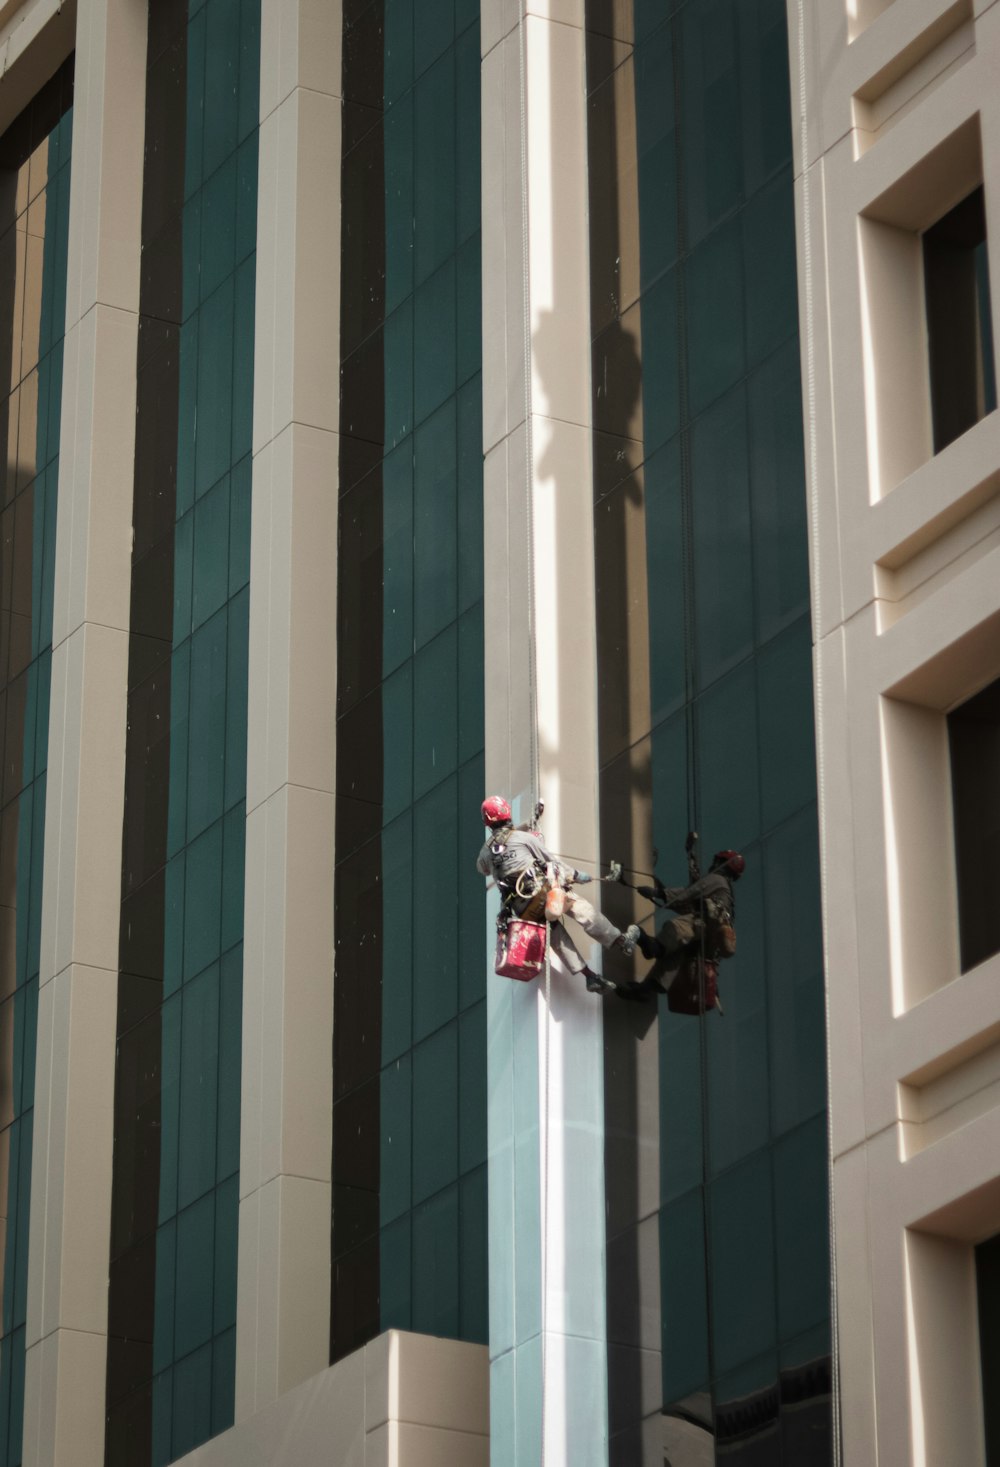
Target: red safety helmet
{"points": [[733, 862], [496, 810]]}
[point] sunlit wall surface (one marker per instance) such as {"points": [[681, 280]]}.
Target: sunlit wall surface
{"points": [[172, 1303], [34, 226], [718, 1250], [409, 1118]]}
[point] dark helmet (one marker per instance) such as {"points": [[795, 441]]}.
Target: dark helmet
{"points": [[496, 810], [732, 861]]}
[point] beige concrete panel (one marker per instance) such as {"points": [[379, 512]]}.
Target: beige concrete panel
{"points": [[300, 46], [267, 1081], [441, 1383], [380, 1446], [307, 1031], [950, 1188], [515, 212], [304, 1331], [563, 12], [82, 879], [818, 403], [948, 1027], [106, 181], [247, 1297], [842, 965], [381, 1380], [272, 285], [497, 18], [428, 1446], [298, 294], [293, 613], [254, 971], [819, 52], [47, 1181], [564, 605], [506, 592], [855, 1324], [557, 214], [96, 466], [945, 1374], [65, 1378]]}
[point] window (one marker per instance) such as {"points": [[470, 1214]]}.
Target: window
{"points": [[959, 328], [974, 747]]}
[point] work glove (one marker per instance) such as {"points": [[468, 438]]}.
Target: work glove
{"points": [[615, 874]]}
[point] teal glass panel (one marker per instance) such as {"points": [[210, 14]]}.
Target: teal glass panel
{"points": [[778, 492], [237, 675], [230, 1060], [180, 699], [211, 554], [795, 972], [683, 1297], [215, 388], [657, 156], [787, 733], [471, 1094], [737, 1059], [233, 871], [769, 261], [242, 357], [473, 1262], [218, 223], [398, 346], [173, 922], [227, 1211], [710, 103], [194, 129], [434, 127], [398, 135], [203, 900], [764, 91], [224, 1379], [468, 138], [726, 751], [435, 711], [744, 1316], [397, 758], [191, 271], [471, 675], [239, 526], [199, 1087], [713, 284], [435, 1113], [433, 34], [471, 898], [665, 578], [435, 565], [397, 550], [397, 938], [470, 492], [194, 1293], [723, 571], [222, 66], [661, 385], [183, 579], [246, 198], [249, 78], [207, 724], [192, 1401], [802, 1229], [396, 1139], [395, 1274], [435, 342], [170, 1100], [166, 1293], [435, 1265], [435, 962]]}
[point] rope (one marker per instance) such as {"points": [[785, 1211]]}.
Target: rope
{"points": [[533, 673], [816, 568]]}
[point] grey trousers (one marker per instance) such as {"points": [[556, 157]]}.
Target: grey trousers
{"points": [[594, 923]]}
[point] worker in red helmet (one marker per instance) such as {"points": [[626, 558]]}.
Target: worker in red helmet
{"points": [[523, 870], [706, 912]]}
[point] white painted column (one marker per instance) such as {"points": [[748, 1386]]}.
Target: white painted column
{"points": [[546, 1125], [283, 1300], [69, 1239]]}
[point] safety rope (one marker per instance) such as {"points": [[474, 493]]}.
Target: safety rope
{"points": [[691, 643], [816, 568], [534, 775]]}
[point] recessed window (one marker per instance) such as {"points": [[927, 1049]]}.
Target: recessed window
{"points": [[974, 746], [959, 327]]}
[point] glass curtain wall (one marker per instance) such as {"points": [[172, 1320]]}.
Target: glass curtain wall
{"points": [[718, 1248], [409, 1062], [34, 231], [172, 1306]]}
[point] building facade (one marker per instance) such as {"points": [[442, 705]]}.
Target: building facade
{"points": [[592, 402]]}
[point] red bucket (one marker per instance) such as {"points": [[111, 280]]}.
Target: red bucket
{"points": [[521, 949]]}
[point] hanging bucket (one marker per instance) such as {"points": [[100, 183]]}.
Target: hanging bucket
{"points": [[521, 949], [684, 996]]}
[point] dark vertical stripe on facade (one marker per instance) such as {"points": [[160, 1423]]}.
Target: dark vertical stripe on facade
{"points": [[34, 226], [136, 1172], [357, 1002]]}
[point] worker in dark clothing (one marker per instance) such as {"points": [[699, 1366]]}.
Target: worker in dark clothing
{"points": [[705, 911], [525, 872]]}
